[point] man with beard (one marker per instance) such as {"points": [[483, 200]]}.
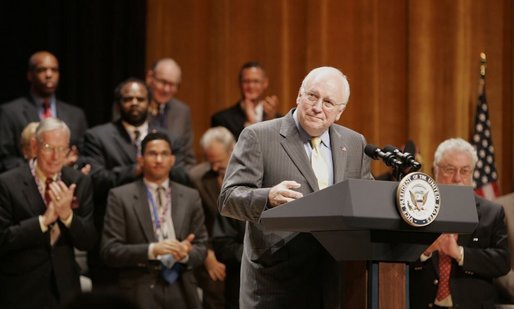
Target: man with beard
{"points": [[252, 107], [112, 150], [40, 103]]}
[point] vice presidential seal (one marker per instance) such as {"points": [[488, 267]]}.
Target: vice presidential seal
{"points": [[418, 199]]}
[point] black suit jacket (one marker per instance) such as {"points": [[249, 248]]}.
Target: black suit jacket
{"points": [[15, 115], [486, 256], [232, 118], [34, 274]]}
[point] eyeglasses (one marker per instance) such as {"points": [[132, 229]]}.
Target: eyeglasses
{"points": [[450, 171], [313, 98], [47, 148], [155, 154], [162, 82], [130, 99]]}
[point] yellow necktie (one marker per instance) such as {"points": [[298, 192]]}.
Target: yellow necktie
{"points": [[319, 166]]}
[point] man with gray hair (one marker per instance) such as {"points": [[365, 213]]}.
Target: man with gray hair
{"points": [[46, 210], [457, 270], [223, 259], [281, 160]]}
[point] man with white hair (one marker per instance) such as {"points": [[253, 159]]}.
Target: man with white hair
{"points": [[281, 160], [46, 210], [456, 271]]}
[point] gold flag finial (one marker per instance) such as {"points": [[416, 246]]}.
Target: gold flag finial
{"points": [[483, 64]]}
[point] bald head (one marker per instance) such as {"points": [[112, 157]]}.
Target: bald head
{"points": [[333, 75], [164, 79], [43, 74]]}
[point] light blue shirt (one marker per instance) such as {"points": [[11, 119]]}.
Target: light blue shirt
{"points": [[39, 104]]}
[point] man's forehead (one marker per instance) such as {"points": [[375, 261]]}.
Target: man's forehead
{"points": [[134, 87]]}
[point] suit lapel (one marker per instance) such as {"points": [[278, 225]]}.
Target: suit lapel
{"points": [[339, 154], [30, 110], [31, 192], [294, 148], [142, 210], [124, 143], [177, 211]]}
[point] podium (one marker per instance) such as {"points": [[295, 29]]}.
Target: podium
{"points": [[357, 220]]}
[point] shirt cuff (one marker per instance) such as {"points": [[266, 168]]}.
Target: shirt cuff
{"points": [[185, 259], [461, 261], [424, 257], [150, 252], [44, 228], [67, 222]]}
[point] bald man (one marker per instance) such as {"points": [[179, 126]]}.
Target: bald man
{"points": [[40, 103], [273, 163], [165, 111]]}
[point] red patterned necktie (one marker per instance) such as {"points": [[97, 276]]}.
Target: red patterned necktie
{"points": [[445, 267], [47, 111], [48, 181]]}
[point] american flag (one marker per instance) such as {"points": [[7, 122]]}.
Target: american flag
{"points": [[485, 175]]}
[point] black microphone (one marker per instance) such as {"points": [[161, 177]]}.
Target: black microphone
{"points": [[407, 158], [376, 153]]}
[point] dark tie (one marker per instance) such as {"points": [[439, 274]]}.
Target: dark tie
{"points": [[163, 123], [137, 141], [48, 181], [170, 275], [54, 228], [47, 111], [445, 267], [159, 192]]}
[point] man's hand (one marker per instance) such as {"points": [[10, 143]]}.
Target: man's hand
{"points": [[72, 156], [270, 106], [249, 109], [50, 216], [449, 246], [215, 269], [282, 193], [61, 198], [178, 249]]}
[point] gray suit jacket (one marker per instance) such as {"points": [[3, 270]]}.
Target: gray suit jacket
{"points": [[284, 269], [15, 115], [128, 231], [177, 120]]}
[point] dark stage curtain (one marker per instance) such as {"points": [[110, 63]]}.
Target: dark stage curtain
{"points": [[98, 43]]}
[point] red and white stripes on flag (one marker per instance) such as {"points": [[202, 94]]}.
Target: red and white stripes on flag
{"points": [[485, 175]]}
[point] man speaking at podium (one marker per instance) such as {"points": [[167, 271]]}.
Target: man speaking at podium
{"points": [[281, 160]]}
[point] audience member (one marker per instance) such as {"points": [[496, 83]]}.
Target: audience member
{"points": [[217, 144], [46, 210], [252, 107], [40, 103], [456, 271], [112, 151], [27, 135], [154, 232], [167, 112], [273, 163]]}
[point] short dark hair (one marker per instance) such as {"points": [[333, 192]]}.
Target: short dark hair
{"points": [[153, 136], [117, 90], [249, 65]]}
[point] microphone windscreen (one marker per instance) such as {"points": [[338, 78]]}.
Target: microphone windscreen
{"points": [[410, 147], [370, 150], [389, 148]]}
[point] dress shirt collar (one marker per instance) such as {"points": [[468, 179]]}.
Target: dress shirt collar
{"points": [[305, 137], [143, 129]]}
